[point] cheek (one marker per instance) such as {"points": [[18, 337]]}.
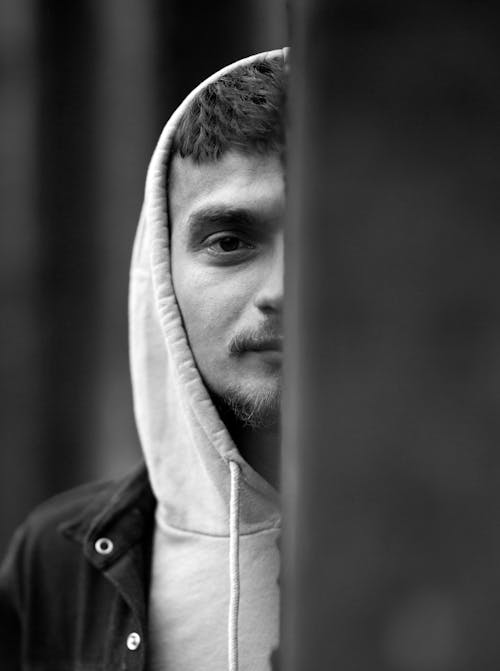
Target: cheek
{"points": [[211, 305]]}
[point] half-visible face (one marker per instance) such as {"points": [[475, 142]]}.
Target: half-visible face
{"points": [[227, 267]]}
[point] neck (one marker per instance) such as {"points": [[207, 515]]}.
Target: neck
{"points": [[260, 449], [259, 446]]}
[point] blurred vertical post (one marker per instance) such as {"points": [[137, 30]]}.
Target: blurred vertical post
{"points": [[392, 409], [125, 134], [67, 183], [20, 345]]}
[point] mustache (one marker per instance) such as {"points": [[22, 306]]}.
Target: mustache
{"points": [[264, 338]]}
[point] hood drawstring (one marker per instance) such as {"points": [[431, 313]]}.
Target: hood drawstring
{"points": [[234, 567]]}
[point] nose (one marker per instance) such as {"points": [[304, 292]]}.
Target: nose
{"points": [[269, 297]]}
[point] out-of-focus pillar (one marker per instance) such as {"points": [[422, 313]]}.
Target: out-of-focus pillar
{"points": [[21, 420], [126, 131], [67, 182], [392, 413]]}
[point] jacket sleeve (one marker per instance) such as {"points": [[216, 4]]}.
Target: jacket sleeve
{"points": [[10, 605]]}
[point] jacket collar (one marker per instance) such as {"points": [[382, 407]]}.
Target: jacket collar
{"points": [[122, 512]]}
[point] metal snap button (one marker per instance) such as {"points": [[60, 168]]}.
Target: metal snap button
{"points": [[104, 546], [133, 641]]}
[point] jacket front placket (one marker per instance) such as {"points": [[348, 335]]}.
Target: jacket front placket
{"points": [[117, 543]]}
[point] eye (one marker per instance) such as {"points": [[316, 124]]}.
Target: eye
{"points": [[229, 243], [230, 247], [233, 245]]}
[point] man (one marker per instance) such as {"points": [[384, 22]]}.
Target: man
{"points": [[177, 566]]}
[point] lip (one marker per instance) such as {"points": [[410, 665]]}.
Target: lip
{"points": [[274, 345], [271, 356]]}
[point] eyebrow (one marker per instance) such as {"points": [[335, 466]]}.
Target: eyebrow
{"points": [[212, 216], [215, 214]]}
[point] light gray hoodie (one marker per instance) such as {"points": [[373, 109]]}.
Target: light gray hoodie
{"points": [[214, 599]]}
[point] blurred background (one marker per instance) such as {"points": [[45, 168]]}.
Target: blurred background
{"points": [[394, 540], [85, 88]]}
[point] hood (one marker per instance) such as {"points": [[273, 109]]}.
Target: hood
{"points": [[191, 458]]}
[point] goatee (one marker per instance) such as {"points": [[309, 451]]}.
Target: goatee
{"points": [[255, 411]]}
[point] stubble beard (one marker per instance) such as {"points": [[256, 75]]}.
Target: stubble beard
{"points": [[255, 409]]}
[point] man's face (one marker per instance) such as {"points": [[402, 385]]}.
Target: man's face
{"points": [[227, 267]]}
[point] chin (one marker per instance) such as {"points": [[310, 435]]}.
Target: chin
{"points": [[256, 403]]}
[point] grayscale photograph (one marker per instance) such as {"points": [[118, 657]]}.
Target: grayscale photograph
{"points": [[250, 344]]}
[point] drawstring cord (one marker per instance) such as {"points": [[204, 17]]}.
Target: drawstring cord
{"points": [[234, 566]]}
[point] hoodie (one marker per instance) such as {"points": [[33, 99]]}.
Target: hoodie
{"points": [[214, 599]]}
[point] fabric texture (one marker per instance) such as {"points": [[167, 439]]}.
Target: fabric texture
{"points": [[64, 606]]}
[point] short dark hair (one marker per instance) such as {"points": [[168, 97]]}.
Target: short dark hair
{"points": [[243, 110]]}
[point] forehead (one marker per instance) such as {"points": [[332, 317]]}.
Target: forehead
{"points": [[253, 182]]}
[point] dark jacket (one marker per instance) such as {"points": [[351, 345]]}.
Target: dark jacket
{"points": [[74, 583]]}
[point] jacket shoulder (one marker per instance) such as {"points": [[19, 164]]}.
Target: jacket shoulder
{"points": [[68, 504], [40, 535], [43, 530]]}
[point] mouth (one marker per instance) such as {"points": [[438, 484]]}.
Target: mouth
{"points": [[269, 345], [268, 341]]}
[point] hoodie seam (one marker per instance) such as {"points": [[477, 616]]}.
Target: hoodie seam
{"points": [[189, 532]]}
